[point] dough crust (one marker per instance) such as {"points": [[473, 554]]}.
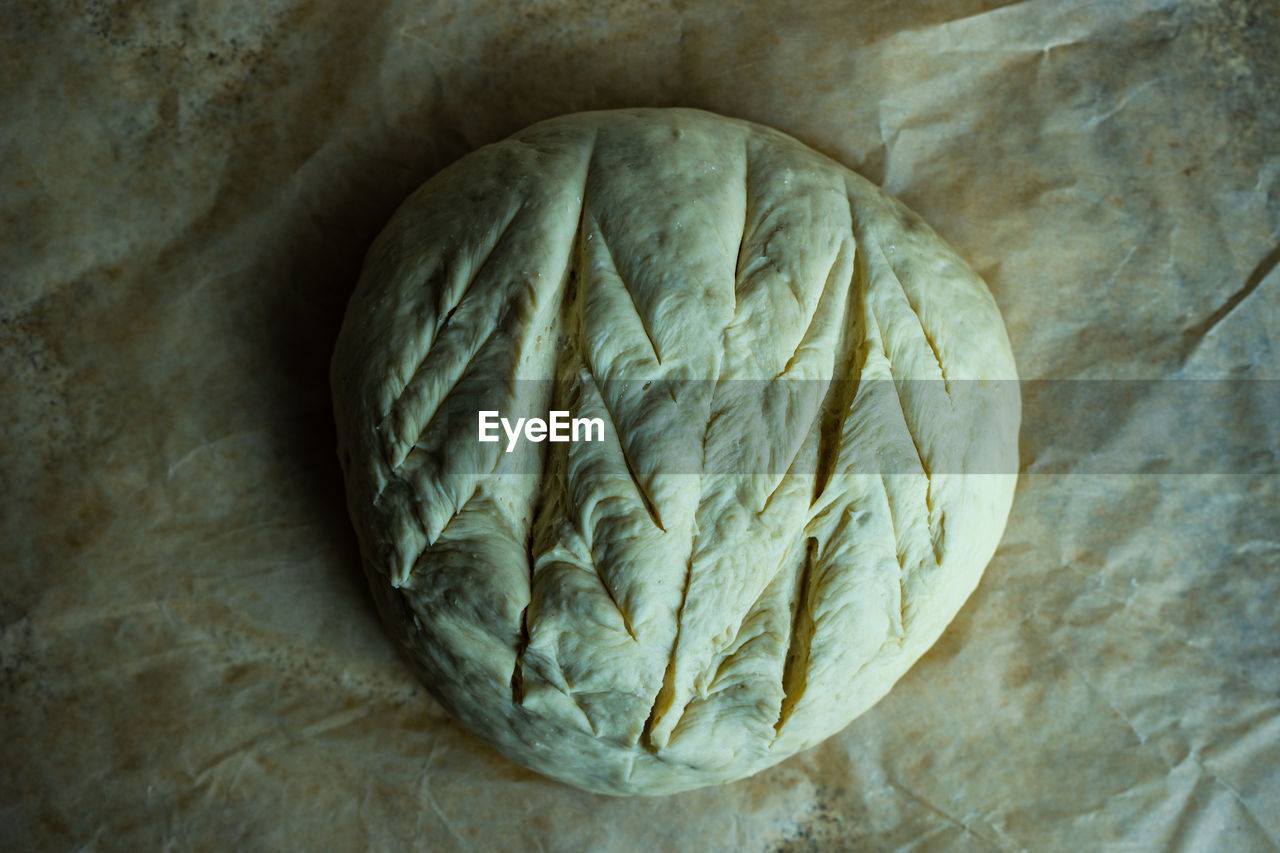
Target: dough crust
{"points": [[810, 454]]}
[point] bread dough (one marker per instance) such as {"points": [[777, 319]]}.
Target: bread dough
{"points": [[810, 454]]}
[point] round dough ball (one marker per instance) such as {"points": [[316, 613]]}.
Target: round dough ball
{"points": [[807, 450]]}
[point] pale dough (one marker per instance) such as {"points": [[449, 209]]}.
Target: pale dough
{"points": [[756, 552]]}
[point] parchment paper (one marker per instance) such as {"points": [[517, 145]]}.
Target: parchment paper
{"points": [[190, 656]]}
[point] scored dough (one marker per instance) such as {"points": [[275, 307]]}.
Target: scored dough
{"points": [[810, 453]]}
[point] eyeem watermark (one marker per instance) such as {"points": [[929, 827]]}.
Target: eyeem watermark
{"points": [[558, 427], [715, 427]]}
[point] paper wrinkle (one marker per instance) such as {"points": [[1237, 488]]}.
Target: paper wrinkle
{"points": [[1213, 836], [1032, 26], [947, 817], [1261, 273], [188, 654]]}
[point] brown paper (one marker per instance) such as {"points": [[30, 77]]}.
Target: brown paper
{"points": [[190, 655]]}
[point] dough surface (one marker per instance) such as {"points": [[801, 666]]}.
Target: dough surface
{"points": [[809, 457]]}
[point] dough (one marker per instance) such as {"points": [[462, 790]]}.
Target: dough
{"points": [[810, 448]]}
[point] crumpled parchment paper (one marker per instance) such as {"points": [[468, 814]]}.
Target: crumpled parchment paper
{"points": [[190, 656]]}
